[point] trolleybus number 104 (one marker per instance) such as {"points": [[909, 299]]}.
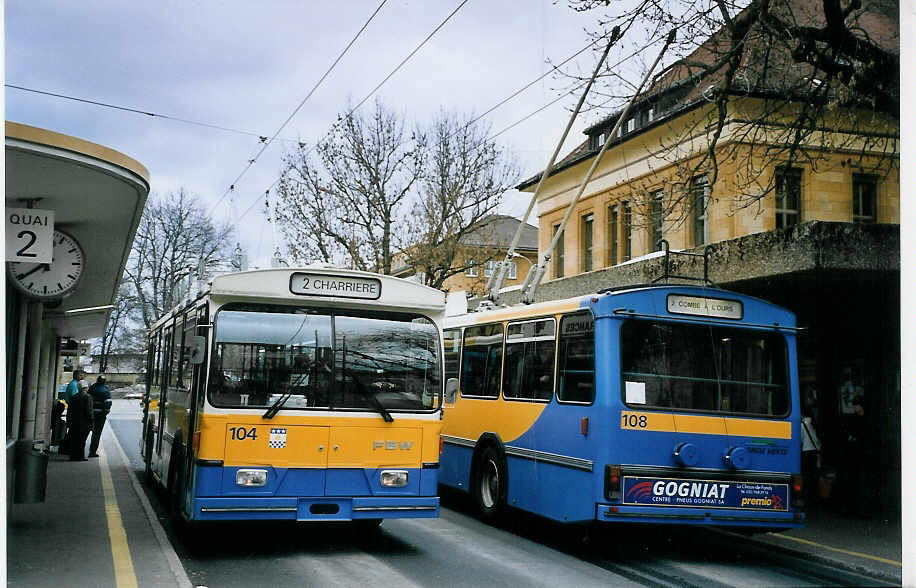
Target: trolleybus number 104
{"points": [[241, 433]]}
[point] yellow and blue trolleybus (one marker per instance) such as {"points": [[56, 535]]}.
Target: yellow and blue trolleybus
{"points": [[647, 404], [298, 394]]}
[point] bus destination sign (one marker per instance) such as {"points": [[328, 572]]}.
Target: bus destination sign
{"points": [[336, 286], [702, 306]]}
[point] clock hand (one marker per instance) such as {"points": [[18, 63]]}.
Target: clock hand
{"points": [[43, 266]]}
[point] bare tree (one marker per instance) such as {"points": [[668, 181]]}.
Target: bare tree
{"points": [[120, 328], [344, 206], [768, 84], [175, 235], [463, 182]]}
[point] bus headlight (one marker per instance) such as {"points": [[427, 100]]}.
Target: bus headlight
{"points": [[251, 477], [394, 478]]}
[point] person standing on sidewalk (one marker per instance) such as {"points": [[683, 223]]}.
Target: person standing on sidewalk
{"points": [[79, 421], [101, 405], [811, 456], [73, 387]]}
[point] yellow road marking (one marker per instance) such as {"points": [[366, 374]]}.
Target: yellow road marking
{"points": [[120, 552], [837, 549]]}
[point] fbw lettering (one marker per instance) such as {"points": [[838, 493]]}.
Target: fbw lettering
{"points": [[392, 445]]}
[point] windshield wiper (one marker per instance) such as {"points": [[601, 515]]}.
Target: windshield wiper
{"points": [[375, 402], [276, 406]]}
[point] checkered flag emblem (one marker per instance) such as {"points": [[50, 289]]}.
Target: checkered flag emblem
{"points": [[277, 438]]}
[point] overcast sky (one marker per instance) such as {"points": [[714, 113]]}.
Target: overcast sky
{"points": [[247, 65]]}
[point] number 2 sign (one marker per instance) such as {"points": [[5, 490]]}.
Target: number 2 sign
{"points": [[29, 235]]}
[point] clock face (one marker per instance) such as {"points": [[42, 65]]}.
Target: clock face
{"points": [[51, 280]]}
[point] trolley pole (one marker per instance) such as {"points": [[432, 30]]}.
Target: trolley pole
{"points": [[537, 272]]}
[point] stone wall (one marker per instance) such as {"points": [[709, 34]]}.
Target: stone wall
{"points": [[802, 248]]}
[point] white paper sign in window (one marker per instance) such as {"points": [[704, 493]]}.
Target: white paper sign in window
{"points": [[636, 392]]}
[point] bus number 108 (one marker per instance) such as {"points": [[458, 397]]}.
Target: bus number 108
{"points": [[634, 421]]}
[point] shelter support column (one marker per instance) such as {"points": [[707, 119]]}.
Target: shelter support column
{"points": [[33, 364], [45, 386], [20, 376]]}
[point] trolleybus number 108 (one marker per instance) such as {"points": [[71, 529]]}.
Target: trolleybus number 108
{"points": [[634, 421], [241, 433]]}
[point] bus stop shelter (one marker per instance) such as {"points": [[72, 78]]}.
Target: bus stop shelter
{"points": [[95, 195]]}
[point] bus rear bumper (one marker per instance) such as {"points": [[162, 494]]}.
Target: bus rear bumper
{"points": [[315, 509], [700, 516]]}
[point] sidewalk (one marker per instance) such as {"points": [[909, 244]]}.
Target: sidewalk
{"points": [[95, 528], [870, 546]]}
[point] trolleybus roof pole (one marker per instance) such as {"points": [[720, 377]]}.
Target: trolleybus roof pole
{"points": [[498, 277], [536, 272]]}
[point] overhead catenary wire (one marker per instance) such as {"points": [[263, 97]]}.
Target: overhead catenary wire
{"points": [[261, 136], [369, 95], [295, 111]]}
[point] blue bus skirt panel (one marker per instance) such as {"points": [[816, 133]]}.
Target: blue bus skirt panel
{"points": [[313, 494], [699, 516]]}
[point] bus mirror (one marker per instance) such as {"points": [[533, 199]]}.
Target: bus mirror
{"points": [[197, 349], [451, 389]]}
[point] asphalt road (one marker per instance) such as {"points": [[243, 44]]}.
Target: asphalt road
{"points": [[459, 550]]}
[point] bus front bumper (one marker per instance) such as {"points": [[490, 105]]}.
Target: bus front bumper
{"points": [[315, 509], [700, 516]]}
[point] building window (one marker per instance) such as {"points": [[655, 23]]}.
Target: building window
{"points": [[511, 269], [631, 125], [472, 271], [558, 258], [699, 197], [627, 231], [657, 218], [864, 199], [788, 197], [612, 219], [587, 238]]}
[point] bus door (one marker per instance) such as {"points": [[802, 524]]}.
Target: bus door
{"points": [[158, 409], [574, 425], [170, 406]]}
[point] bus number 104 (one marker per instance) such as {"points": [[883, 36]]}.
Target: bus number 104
{"points": [[241, 433], [634, 421]]}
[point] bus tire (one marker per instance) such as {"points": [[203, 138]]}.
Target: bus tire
{"points": [[490, 484], [176, 481], [148, 457]]}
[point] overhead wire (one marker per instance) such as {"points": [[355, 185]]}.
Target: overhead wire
{"points": [[261, 136], [253, 160], [371, 93], [500, 103]]}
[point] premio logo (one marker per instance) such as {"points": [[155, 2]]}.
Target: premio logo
{"points": [[641, 490]]}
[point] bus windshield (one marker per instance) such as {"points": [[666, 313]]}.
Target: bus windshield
{"points": [[324, 359], [703, 367]]}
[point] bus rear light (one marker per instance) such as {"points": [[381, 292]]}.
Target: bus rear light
{"points": [[251, 477], [612, 482], [441, 445], [394, 478], [195, 442], [798, 491]]}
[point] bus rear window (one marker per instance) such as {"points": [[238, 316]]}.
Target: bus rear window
{"points": [[703, 367]]}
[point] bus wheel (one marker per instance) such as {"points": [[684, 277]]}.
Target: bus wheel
{"points": [[176, 481], [490, 486], [148, 456]]}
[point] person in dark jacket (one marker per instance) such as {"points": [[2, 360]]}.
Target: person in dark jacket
{"points": [[101, 405], [79, 422]]}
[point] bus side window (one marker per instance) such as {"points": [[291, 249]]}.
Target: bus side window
{"points": [[481, 361], [576, 379], [529, 360], [452, 340]]}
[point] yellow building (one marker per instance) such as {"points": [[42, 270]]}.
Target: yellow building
{"points": [[478, 254]]}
